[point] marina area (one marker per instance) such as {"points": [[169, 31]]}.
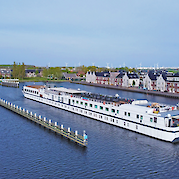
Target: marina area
{"points": [[31, 150], [67, 133]]}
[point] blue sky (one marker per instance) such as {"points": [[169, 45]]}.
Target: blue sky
{"points": [[118, 32]]}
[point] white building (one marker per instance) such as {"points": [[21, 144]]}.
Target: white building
{"points": [[161, 83], [91, 77], [130, 80]]}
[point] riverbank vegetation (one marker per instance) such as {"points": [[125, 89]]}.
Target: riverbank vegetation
{"points": [[40, 79]]}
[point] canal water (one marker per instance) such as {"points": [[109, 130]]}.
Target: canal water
{"points": [[28, 150]]}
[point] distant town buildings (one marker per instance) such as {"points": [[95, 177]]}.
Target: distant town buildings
{"points": [[152, 80], [33, 73], [145, 79]]}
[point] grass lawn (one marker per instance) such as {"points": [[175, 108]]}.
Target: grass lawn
{"points": [[38, 79]]}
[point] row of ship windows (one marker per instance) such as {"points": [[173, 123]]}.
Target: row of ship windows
{"points": [[112, 120], [31, 91], [96, 106], [106, 118], [117, 111]]}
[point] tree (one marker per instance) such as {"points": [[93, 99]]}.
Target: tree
{"points": [[23, 70], [45, 72], [14, 70], [53, 72], [36, 72], [18, 71]]}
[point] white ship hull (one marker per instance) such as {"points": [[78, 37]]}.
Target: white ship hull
{"points": [[155, 130]]}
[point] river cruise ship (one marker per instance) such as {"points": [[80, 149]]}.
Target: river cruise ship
{"points": [[152, 119]]}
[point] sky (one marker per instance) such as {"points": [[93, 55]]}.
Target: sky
{"points": [[112, 33]]}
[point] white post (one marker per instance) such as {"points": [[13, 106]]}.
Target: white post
{"points": [[35, 115], [31, 113], [50, 121], [27, 111], [56, 123], [84, 135], [39, 116], [76, 133], [20, 108], [16, 107], [69, 129], [62, 126], [44, 119]]}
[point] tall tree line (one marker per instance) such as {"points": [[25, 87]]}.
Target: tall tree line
{"points": [[53, 72], [18, 70]]}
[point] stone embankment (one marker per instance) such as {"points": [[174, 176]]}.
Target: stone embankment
{"points": [[131, 89]]}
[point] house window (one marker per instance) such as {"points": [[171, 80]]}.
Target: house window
{"points": [[125, 113], [113, 110], [91, 105], [73, 101], [76, 102], [129, 114], [155, 119], [116, 121], [95, 106], [107, 109], [86, 104], [117, 111], [141, 117], [101, 107], [124, 123], [151, 119], [81, 103]]}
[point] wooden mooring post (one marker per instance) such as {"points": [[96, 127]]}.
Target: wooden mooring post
{"points": [[73, 136]]}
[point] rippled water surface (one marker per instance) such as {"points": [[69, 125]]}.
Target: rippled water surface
{"points": [[28, 150]]}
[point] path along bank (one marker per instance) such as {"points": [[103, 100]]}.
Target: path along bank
{"points": [[131, 89]]}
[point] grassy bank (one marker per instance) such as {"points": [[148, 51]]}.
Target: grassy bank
{"points": [[39, 79]]}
